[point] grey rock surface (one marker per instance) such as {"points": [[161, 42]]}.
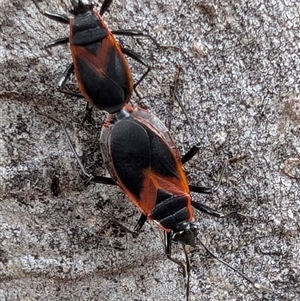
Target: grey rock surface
{"points": [[240, 84]]}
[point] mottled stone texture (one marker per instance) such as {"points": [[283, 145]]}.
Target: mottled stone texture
{"points": [[240, 84]]}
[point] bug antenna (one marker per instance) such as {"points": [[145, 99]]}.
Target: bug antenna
{"points": [[256, 285], [184, 265]]}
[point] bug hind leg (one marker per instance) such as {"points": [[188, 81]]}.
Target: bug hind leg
{"points": [[140, 60]]}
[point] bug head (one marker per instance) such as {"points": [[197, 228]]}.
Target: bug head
{"points": [[80, 7], [186, 233]]}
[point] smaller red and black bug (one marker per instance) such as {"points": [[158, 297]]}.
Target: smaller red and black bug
{"points": [[101, 70]]}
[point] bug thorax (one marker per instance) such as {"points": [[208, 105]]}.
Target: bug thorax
{"points": [[80, 7], [121, 115], [186, 233], [118, 116]]}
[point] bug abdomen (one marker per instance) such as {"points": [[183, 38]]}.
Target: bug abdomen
{"points": [[172, 211]]}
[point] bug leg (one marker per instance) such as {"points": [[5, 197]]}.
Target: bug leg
{"points": [[195, 149], [201, 189], [91, 177], [184, 265], [98, 179], [213, 212], [136, 229], [88, 114], [66, 75], [190, 154], [209, 190], [135, 33], [168, 252], [140, 223], [72, 93], [225, 164], [62, 81], [133, 54], [88, 175], [53, 16], [102, 180], [105, 6], [124, 228], [142, 61], [58, 42]]}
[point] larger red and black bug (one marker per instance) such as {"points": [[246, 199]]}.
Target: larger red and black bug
{"points": [[145, 163], [101, 70]]}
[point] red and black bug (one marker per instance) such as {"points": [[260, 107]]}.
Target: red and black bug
{"points": [[143, 160], [100, 67], [145, 163]]}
